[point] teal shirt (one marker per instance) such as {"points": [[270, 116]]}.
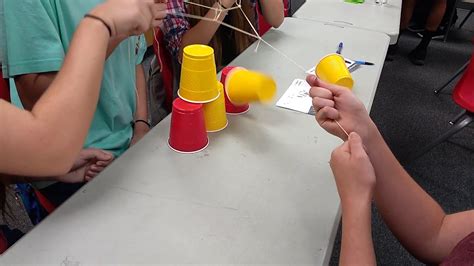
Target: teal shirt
{"points": [[38, 34]]}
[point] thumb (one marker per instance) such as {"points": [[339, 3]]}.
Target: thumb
{"points": [[312, 80], [355, 145]]}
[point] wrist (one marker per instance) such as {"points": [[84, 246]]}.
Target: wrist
{"points": [[101, 13], [357, 204], [372, 138], [141, 125]]}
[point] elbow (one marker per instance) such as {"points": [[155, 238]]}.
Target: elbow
{"points": [[277, 21]]}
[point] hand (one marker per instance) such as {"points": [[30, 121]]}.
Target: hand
{"points": [[140, 130], [86, 159], [131, 17], [227, 3], [353, 171], [333, 102]]}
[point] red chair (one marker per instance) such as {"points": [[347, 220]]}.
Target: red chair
{"points": [[263, 26], [463, 95], [4, 88], [167, 73]]}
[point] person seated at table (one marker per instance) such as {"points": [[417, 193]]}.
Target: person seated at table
{"points": [[364, 168], [418, 55], [31, 144], [121, 116], [227, 43]]}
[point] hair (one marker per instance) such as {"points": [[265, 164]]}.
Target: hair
{"points": [[236, 18]]}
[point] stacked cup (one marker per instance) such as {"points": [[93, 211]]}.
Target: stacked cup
{"points": [[200, 107]]}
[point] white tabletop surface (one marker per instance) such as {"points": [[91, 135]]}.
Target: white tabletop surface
{"points": [[370, 16], [262, 192]]}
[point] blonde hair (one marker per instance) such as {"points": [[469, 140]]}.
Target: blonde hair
{"points": [[236, 18]]}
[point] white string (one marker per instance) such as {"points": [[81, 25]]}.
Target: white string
{"points": [[345, 132], [219, 22], [243, 32]]}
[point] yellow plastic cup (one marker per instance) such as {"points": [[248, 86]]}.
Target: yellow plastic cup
{"points": [[214, 112], [244, 86], [332, 68], [198, 75]]}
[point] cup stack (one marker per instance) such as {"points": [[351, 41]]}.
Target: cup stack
{"points": [[204, 102], [200, 107]]}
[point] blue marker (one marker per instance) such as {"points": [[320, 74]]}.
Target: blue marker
{"points": [[339, 48]]}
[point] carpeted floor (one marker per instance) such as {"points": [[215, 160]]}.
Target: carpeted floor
{"points": [[410, 115]]}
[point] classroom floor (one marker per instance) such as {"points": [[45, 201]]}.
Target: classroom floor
{"points": [[410, 115]]}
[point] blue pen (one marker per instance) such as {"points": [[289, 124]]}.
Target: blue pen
{"points": [[364, 63], [339, 48]]}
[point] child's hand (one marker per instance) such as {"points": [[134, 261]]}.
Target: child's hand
{"points": [[88, 164], [353, 171], [131, 17], [333, 102]]}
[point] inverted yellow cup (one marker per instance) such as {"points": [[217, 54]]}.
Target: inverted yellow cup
{"points": [[214, 112], [244, 86], [332, 68], [198, 75]]}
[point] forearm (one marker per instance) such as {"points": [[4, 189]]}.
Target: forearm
{"points": [[357, 246], [203, 31], [412, 215], [60, 120], [142, 106], [273, 12]]}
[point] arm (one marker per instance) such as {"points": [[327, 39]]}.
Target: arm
{"points": [[273, 12], [71, 93], [412, 215], [31, 143], [141, 113], [355, 180], [203, 31], [357, 247]]}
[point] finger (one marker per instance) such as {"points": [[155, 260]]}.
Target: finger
{"points": [[88, 178], [103, 163], [96, 168], [312, 80], [157, 23], [356, 145], [98, 154], [158, 7], [90, 174], [104, 156], [335, 89], [319, 103], [327, 113], [321, 93]]}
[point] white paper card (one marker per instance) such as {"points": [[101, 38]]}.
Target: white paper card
{"points": [[297, 97]]}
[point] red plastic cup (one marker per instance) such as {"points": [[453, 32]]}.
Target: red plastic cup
{"points": [[231, 108], [188, 129]]}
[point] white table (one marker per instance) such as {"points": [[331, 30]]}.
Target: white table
{"points": [[370, 16], [262, 192]]}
